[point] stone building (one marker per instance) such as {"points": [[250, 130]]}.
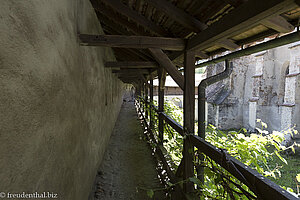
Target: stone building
{"points": [[262, 86]]}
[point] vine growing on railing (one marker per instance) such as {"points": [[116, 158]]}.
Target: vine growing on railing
{"points": [[254, 150]]}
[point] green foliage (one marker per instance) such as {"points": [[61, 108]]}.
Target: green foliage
{"points": [[150, 193], [254, 150], [298, 178]]}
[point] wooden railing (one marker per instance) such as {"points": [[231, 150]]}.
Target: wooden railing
{"points": [[262, 187]]}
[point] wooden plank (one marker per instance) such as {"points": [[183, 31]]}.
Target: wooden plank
{"points": [[139, 5], [177, 127], [151, 102], [138, 42], [131, 65], [259, 184], [131, 71], [137, 52], [135, 16], [161, 90], [202, 55], [188, 117], [146, 101], [166, 63], [241, 19], [228, 44], [124, 22], [279, 24], [178, 15]]}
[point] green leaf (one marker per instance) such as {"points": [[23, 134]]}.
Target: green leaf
{"points": [[150, 193], [298, 178], [195, 181], [281, 158]]}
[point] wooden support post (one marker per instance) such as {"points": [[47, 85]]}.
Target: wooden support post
{"points": [[188, 117], [161, 89], [146, 101], [151, 102]]}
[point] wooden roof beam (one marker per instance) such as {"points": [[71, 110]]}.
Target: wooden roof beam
{"points": [[178, 15], [138, 42], [279, 24], [131, 65], [131, 71], [135, 16], [241, 19], [228, 44], [167, 64], [124, 22], [139, 5], [201, 54]]}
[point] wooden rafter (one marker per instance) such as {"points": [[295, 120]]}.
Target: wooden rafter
{"points": [[135, 16], [228, 44], [241, 19], [279, 24], [139, 5], [120, 20], [178, 15], [167, 64], [113, 28], [131, 71], [139, 42], [131, 65]]}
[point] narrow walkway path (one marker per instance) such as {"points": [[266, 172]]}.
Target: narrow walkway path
{"points": [[128, 167]]}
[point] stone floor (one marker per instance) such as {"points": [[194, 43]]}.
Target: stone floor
{"points": [[128, 169]]}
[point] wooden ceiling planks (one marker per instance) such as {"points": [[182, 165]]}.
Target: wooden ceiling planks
{"points": [[168, 18]]}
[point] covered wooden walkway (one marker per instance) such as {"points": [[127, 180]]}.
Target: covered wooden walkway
{"points": [[153, 38]]}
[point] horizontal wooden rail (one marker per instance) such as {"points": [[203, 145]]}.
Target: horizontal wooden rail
{"points": [[177, 127], [260, 185]]}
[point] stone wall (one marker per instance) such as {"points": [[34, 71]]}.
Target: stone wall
{"points": [[58, 104], [263, 86]]}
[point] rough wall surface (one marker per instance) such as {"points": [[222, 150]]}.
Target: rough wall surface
{"points": [[262, 80], [58, 104]]}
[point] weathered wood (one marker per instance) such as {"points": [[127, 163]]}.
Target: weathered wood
{"points": [[138, 42], [279, 24], [228, 44], [131, 65], [178, 15], [201, 55], [165, 62], [189, 116], [241, 19], [177, 127], [139, 5], [161, 90], [120, 20], [135, 16], [151, 102], [112, 27], [146, 101], [138, 52], [131, 71], [259, 184]]}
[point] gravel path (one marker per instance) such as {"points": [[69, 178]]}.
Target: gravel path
{"points": [[128, 167]]}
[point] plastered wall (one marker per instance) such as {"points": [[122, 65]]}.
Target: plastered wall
{"points": [[58, 105], [261, 80]]}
